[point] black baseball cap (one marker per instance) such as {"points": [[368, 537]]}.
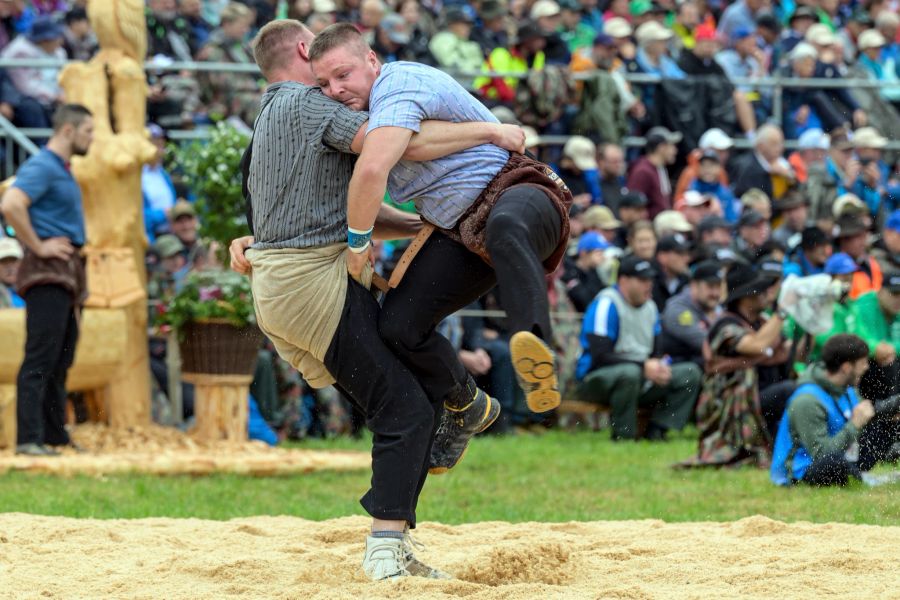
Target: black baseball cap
{"points": [[634, 266], [711, 222], [770, 267], [632, 199], [711, 271], [673, 243], [813, 236], [750, 218]]}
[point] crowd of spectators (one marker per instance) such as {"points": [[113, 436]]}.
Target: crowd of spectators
{"points": [[665, 306]]}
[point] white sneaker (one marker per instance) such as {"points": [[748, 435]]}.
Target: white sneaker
{"points": [[385, 558]]}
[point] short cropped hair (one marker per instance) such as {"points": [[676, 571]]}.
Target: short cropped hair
{"points": [[67, 114], [843, 348], [271, 41], [336, 36], [234, 11]]}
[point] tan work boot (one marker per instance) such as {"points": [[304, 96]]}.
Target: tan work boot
{"points": [[535, 366]]}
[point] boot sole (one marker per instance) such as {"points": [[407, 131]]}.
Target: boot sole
{"points": [[533, 363], [488, 423]]}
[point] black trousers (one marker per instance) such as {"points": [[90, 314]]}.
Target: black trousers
{"points": [[397, 411], [51, 332], [773, 400], [875, 441], [522, 231]]}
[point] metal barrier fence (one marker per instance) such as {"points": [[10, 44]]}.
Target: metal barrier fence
{"points": [[16, 141]]}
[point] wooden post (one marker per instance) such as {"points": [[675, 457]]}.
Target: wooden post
{"points": [[220, 406], [7, 419]]}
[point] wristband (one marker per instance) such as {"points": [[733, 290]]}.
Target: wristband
{"points": [[358, 240]]}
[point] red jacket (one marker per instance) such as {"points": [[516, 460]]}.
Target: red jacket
{"points": [[644, 177]]}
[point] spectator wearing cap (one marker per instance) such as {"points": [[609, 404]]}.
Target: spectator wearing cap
{"points": [[852, 237], [574, 32], [227, 94], [601, 219], [609, 105], [612, 166], [649, 174], [823, 39], [696, 206], [810, 256], [829, 65], [581, 274], [799, 23], [644, 11], [653, 55], [812, 148], [578, 168], [452, 46], [752, 233], [886, 251], [632, 208], [671, 222], [869, 174], [875, 319], [157, 187], [547, 16], [184, 225], [621, 31], [173, 267], [80, 43], [743, 59], [809, 108], [822, 183], [688, 315], [739, 14], [714, 230], [729, 413], [642, 240], [673, 256], [620, 364], [765, 166], [392, 41], [10, 258], [526, 54], [857, 23], [876, 65], [708, 183], [43, 41], [712, 139], [492, 33], [794, 210], [809, 348]]}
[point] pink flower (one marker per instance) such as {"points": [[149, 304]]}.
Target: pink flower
{"points": [[210, 293]]}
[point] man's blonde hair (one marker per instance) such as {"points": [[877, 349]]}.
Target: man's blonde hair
{"points": [[275, 40], [337, 36]]}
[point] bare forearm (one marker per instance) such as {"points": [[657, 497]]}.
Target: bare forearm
{"points": [[437, 139], [364, 198], [393, 224], [767, 337], [16, 215]]}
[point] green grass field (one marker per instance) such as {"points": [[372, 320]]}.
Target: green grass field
{"points": [[558, 476]]}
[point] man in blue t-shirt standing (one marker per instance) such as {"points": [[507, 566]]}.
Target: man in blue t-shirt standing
{"points": [[44, 207]]}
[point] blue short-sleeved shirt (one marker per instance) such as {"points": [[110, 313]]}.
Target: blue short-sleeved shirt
{"points": [[55, 209], [404, 95]]}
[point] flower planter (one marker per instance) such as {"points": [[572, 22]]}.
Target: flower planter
{"points": [[216, 347]]}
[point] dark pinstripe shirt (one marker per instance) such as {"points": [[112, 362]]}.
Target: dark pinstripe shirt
{"points": [[300, 167]]}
